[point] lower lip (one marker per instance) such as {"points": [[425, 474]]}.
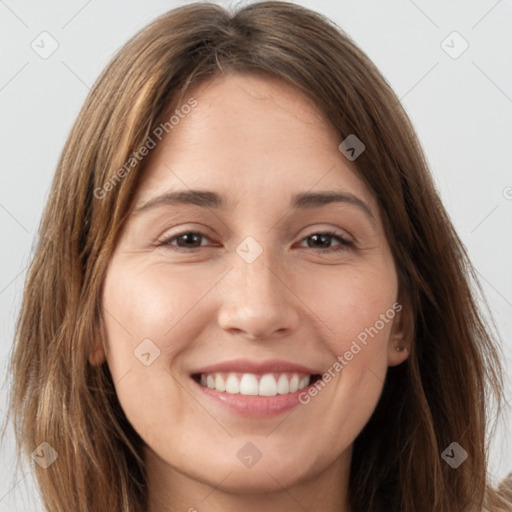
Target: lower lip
{"points": [[254, 405]]}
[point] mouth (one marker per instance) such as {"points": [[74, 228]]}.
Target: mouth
{"points": [[256, 384], [254, 389]]}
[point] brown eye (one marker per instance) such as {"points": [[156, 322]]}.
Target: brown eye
{"points": [[184, 241], [322, 241], [188, 239]]}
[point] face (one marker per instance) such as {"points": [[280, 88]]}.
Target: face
{"points": [[261, 285]]}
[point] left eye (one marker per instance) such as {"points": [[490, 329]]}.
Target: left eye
{"points": [[327, 236], [192, 240]]}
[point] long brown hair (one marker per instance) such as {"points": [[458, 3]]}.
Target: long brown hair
{"points": [[441, 394]]}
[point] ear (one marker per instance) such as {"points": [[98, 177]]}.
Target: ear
{"points": [[97, 354], [400, 339]]}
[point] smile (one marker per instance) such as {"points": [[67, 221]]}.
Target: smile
{"points": [[251, 384]]}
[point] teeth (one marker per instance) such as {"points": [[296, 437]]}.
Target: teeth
{"points": [[249, 384], [283, 385], [268, 385], [232, 385], [294, 384], [303, 382], [219, 383]]}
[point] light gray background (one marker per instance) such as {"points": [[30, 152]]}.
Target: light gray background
{"points": [[461, 108]]}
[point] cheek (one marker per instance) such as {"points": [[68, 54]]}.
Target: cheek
{"points": [[155, 310], [147, 315], [347, 395], [359, 308], [356, 304], [150, 303]]}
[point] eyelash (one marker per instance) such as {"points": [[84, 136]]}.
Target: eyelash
{"points": [[344, 243]]}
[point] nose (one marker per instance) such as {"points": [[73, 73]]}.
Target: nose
{"points": [[257, 301]]}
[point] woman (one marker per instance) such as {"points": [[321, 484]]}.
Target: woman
{"points": [[252, 369]]}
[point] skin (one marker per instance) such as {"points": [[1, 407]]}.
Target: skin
{"points": [[257, 141]]}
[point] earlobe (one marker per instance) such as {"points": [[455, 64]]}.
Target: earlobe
{"points": [[97, 354], [400, 340]]}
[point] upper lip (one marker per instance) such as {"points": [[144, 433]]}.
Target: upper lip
{"points": [[256, 367]]}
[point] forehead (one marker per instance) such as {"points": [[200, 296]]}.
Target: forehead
{"points": [[254, 138]]}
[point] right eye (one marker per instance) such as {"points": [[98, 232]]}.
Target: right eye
{"points": [[186, 241]]}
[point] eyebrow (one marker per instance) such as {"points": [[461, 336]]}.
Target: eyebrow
{"points": [[210, 199]]}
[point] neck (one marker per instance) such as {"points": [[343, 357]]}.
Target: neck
{"points": [[171, 491]]}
